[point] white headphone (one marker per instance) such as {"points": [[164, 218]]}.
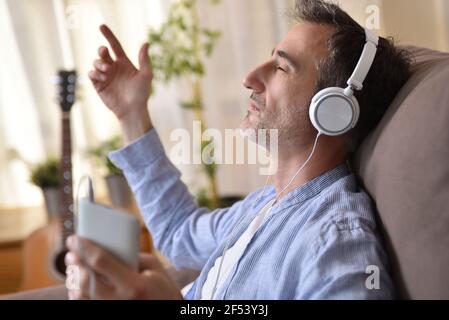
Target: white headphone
{"points": [[334, 111]]}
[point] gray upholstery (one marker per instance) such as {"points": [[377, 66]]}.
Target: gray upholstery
{"points": [[404, 165]]}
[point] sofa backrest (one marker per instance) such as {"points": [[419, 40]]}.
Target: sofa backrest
{"points": [[404, 166]]}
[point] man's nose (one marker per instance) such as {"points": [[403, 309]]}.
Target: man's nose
{"points": [[254, 81]]}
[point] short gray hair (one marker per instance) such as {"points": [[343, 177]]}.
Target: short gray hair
{"points": [[390, 70]]}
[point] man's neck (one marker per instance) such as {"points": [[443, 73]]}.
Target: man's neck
{"points": [[326, 157]]}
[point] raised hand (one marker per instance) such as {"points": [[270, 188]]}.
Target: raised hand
{"points": [[123, 88]]}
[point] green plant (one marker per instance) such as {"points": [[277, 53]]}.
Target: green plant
{"points": [[46, 174], [178, 49], [101, 155], [179, 45]]}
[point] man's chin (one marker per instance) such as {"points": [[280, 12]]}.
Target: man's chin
{"points": [[249, 123], [248, 129]]}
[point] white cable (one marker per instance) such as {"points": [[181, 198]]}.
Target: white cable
{"points": [[300, 169], [273, 203], [92, 288]]}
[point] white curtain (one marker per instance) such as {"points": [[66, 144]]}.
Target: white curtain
{"points": [[38, 38], [41, 36]]}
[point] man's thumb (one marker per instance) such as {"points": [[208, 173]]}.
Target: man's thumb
{"points": [[144, 58], [149, 262]]}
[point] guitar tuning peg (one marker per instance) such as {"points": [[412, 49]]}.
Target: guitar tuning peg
{"points": [[71, 88], [71, 79]]}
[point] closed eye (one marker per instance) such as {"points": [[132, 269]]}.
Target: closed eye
{"points": [[280, 69]]}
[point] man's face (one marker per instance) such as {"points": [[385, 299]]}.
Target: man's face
{"points": [[284, 85]]}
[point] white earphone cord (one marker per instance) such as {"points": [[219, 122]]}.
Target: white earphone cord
{"points": [[262, 194], [301, 168]]}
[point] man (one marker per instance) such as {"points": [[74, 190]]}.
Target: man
{"points": [[317, 239]]}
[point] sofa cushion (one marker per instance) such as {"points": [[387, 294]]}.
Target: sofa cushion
{"points": [[404, 166]]}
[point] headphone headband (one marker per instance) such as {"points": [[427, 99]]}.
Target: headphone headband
{"points": [[365, 61]]}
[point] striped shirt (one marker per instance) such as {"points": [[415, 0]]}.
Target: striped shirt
{"points": [[319, 242], [223, 264]]}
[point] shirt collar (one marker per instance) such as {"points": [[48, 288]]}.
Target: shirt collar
{"points": [[309, 189]]}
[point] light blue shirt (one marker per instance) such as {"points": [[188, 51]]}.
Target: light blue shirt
{"points": [[316, 243]]}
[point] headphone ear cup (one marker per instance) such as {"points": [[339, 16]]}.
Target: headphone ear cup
{"points": [[333, 113]]}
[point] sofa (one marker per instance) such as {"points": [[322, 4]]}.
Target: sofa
{"points": [[404, 166]]}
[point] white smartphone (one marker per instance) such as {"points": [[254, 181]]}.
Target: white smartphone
{"points": [[117, 232]]}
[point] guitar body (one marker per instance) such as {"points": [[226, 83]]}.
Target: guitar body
{"points": [[38, 253]]}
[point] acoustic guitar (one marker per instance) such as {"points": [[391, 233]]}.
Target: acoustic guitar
{"points": [[44, 250]]}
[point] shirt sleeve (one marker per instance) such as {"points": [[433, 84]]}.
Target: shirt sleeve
{"points": [[183, 232], [346, 264]]}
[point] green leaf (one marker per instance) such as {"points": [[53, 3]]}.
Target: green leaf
{"points": [[178, 45]]}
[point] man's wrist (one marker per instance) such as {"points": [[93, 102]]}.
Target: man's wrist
{"points": [[134, 125]]}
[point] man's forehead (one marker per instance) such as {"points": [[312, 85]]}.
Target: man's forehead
{"points": [[306, 40]]}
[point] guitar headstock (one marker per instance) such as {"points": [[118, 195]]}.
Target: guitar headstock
{"points": [[67, 89]]}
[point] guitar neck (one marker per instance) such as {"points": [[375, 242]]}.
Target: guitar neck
{"points": [[66, 210]]}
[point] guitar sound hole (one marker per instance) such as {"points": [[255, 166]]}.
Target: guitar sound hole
{"points": [[60, 264]]}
